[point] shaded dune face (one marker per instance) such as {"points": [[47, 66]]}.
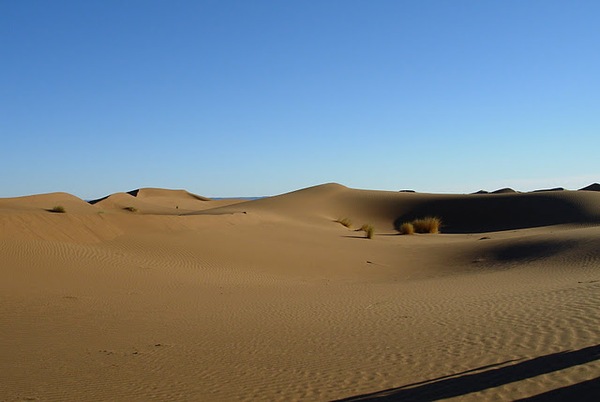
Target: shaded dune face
{"points": [[591, 187], [495, 213]]}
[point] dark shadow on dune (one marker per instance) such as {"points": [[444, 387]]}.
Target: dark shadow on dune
{"points": [[532, 250], [55, 210], [97, 200], [488, 213], [92, 202], [549, 189], [467, 382], [581, 392], [591, 187]]}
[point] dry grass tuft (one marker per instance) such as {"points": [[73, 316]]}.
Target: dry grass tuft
{"points": [[429, 224], [345, 221], [407, 228], [58, 209], [130, 209], [368, 229]]}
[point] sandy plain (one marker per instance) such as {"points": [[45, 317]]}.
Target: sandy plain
{"points": [[165, 295]]}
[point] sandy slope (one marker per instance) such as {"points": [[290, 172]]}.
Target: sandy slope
{"points": [[193, 299]]}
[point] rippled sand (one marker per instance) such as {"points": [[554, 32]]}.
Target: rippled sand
{"points": [[166, 295]]}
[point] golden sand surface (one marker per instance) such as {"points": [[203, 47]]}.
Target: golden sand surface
{"points": [[165, 295]]}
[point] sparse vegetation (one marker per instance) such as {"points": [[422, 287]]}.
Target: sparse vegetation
{"points": [[345, 221], [429, 224], [130, 209], [368, 229], [58, 209], [407, 228]]}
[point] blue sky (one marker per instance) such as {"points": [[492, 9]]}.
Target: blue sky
{"points": [[246, 98]]}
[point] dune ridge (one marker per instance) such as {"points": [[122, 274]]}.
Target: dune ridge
{"points": [[471, 213]]}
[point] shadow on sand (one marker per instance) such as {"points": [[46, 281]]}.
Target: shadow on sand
{"points": [[489, 213], [492, 376]]}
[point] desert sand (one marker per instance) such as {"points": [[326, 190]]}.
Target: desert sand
{"points": [[165, 295]]}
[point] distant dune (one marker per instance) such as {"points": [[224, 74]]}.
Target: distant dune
{"points": [[159, 201], [160, 193], [506, 190], [549, 189], [591, 187], [157, 294], [503, 210]]}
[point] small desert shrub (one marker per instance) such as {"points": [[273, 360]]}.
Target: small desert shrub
{"points": [[130, 209], [368, 229], [58, 209], [345, 221], [407, 228], [429, 224]]}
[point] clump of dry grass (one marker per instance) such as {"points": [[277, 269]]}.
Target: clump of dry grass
{"points": [[429, 224], [368, 229], [130, 209], [58, 209], [345, 221], [407, 228]]}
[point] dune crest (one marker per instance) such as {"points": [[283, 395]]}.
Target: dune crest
{"points": [[150, 192]]}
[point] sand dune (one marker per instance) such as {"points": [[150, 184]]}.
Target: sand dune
{"points": [[472, 213], [159, 201], [166, 193], [45, 202], [506, 190], [591, 187], [185, 298]]}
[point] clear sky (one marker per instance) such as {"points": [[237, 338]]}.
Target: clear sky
{"points": [[247, 98]]}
